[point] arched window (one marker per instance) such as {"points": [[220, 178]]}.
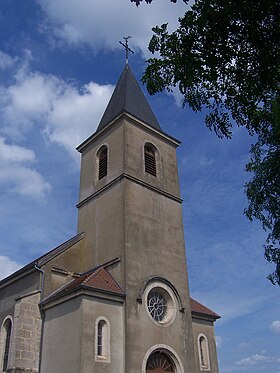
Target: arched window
{"points": [[102, 340], [150, 159], [6, 332], [159, 362], [102, 161], [203, 352]]}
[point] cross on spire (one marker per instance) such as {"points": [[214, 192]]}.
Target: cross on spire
{"points": [[126, 47]]}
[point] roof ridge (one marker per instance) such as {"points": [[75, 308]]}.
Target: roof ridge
{"points": [[101, 284], [89, 276], [95, 273]]}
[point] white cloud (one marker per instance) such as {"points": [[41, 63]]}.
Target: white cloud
{"points": [[275, 326], [257, 359], [102, 23], [243, 345], [75, 115], [26, 102], [6, 61], [15, 153], [16, 171], [219, 341], [65, 114], [7, 266], [177, 95], [62, 112], [205, 162]]}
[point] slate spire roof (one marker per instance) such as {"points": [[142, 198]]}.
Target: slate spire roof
{"points": [[128, 98]]}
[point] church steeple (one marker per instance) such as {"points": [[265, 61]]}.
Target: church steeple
{"points": [[128, 98], [115, 296]]}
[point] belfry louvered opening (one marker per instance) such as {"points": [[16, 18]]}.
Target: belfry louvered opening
{"points": [[150, 159], [103, 162]]}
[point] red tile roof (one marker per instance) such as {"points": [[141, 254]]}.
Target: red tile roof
{"points": [[100, 279], [197, 307]]}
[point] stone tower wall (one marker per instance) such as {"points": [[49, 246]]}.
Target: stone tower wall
{"points": [[25, 344]]}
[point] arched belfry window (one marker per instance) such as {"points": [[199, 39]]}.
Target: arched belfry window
{"points": [[6, 332], [203, 352], [102, 340], [150, 159], [102, 156], [159, 362]]}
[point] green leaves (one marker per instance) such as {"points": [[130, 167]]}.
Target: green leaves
{"points": [[224, 58], [263, 191], [221, 55], [137, 2]]}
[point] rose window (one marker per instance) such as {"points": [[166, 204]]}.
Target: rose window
{"points": [[157, 305]]}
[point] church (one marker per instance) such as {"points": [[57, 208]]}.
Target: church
{"points": [[115, 297]]}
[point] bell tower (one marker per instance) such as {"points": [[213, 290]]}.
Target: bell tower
{"points": [[130, 208]]}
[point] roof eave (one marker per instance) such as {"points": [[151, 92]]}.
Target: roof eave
{"points": [[205, 316], [20, 273], [43, 259], [98, 134], [81, 290]]}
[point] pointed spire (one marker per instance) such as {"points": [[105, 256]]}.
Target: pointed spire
{"points": [[128, 98]]}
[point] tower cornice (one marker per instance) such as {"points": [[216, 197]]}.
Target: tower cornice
{"points": [[133, 179], [162, 135]]}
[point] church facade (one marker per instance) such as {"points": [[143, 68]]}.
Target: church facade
{"points": [[115, 297]]}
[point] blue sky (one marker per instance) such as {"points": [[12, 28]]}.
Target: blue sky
{"points": [[59, 62]]}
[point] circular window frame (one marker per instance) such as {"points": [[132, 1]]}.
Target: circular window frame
{"points": [[171, 303]]}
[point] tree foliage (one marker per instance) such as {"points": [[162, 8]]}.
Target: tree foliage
{"points": [[224, 57], [263, 191], [137, 2]]}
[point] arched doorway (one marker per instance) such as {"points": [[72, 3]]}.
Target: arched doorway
{"points": [[159, 362]]}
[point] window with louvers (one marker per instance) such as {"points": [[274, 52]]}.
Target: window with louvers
{"points": [[103, 162], [150, 160]]}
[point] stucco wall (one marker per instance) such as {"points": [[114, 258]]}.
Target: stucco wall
{"points": [[69, 335], [155, 247], [62, 336], [114, 140], [113, 313], [136, 136], [206, 328], [139, 219], [72, 260]]}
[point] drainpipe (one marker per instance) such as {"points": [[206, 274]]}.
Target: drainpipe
{"points": [[42, 314], [42, 282]]}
